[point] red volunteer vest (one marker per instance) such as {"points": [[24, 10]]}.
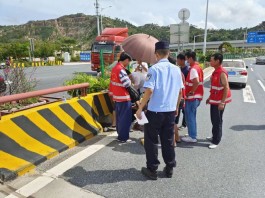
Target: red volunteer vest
{"points": [[216, 92], [116, 88], [198, 94]]}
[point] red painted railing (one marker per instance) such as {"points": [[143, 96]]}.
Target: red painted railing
{"points": [[16, 97]]}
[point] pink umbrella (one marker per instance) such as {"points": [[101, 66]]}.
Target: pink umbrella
{"points": [[141, 47]]}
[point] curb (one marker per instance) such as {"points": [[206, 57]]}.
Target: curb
{"points": [[77, 63], [207, 72]]}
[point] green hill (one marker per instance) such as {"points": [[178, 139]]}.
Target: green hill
{"points": [[81, 30]]}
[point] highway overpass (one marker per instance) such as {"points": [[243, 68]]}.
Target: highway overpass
{"points": [[216, 44]]}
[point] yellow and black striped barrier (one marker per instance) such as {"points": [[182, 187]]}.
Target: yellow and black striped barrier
{"points": [[37, 64], [30, 137], [41, 63]]}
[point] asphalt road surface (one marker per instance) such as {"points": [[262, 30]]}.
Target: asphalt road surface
{"points": [[54, 76], [105, 168]]}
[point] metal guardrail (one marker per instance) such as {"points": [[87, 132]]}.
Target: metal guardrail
{"points": [[16, 97], [21, 96]]}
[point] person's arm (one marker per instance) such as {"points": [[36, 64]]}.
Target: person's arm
{"points": [[225, 84], [195, 85], [195, 80], [179, 99], [208, 100], [124, 78], [145, 67], [147, 95], [150, 86], [136, 80]]}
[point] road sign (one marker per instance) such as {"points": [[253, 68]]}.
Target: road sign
{"points": [[85, 56], [179, 33], [256, 37], [184, 14]]}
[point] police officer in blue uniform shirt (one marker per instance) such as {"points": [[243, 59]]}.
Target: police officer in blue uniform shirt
{"points": [[163, 91]]}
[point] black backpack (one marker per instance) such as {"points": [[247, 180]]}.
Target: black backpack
{"points": [[134, 94]]}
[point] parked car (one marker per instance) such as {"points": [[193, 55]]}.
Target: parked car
{"points": [[2, 84], [237, 71], [260, 60], [2, 66]]}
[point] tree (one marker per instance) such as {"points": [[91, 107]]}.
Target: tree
{"points": [[225, 47], [44, 49], [17, 50]]}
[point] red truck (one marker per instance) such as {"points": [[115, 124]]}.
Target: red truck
{"points": [[110, 43]]}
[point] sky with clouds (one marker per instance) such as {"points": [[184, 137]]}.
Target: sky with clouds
{"points": [[225, 14]]}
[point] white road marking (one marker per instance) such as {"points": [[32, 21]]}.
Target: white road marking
{"points": [[248, 95], [261, 84], [50, 175], [251, 69]]}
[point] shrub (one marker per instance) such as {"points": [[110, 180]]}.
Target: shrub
{"points": [[95, 84], [75, 59], [21, 79]]}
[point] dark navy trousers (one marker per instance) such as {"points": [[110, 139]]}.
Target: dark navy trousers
{"points": [[162, 124], [123, 119], [217, 122]]}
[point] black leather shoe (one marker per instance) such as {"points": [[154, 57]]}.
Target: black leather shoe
{"points": [[149, 174], [168, 171]]}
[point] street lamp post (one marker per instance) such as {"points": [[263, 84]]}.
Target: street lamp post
{"points": [[194, 37], [101, 17], [194, 40], [205, 29], [245, 35]]}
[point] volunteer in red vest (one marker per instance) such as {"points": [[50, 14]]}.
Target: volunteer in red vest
{"points": [[117, 90], [220, 95], [194, 95]]}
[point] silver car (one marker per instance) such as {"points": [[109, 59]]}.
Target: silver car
{"points": [[260, 60]]}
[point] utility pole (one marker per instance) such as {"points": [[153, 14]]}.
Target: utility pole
{"points": [[97, 13], [31, 47], [29, 54], [205, 30]]}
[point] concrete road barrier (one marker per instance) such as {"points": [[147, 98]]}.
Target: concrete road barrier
{"points": [[30, 137]]}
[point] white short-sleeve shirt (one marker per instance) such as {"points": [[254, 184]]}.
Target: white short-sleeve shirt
{"points": [[193, 74]]}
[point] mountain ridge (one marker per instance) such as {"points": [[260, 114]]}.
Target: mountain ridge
{"points": [[83, 29]]}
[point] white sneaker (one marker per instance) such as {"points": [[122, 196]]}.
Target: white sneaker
{"points": [[188, 139], [209, 139], [212, 146]]}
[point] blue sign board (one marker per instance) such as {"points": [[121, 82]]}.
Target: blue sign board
{"points": [[256, 37], [85, 56]]}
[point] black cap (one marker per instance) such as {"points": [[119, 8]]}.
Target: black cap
{"points": [[161, 45]]}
